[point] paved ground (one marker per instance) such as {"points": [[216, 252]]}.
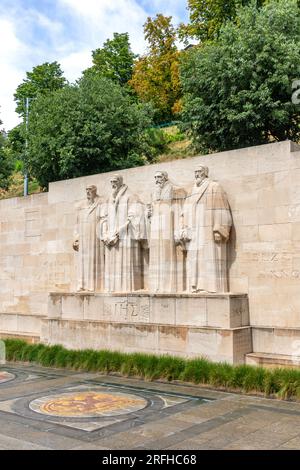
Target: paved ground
{"points": [[44, 408]]}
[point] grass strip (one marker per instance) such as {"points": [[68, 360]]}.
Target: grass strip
{"points": [[278, 383]]}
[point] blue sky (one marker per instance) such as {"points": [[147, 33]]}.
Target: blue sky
{"points": [[37, 31]]}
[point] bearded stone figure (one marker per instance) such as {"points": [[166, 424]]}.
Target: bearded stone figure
{"points": [[166, 258], [123, 231], [90, 259], [206, 225]]}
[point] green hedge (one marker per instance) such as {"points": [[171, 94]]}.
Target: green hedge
{"points": [[279, 383]]}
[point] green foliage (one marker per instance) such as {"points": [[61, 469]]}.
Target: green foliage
{"points": [[16, 185], [160, 142], [197, 371], [42, 79], [174, 135], [156, 75], [157, 142], [238, 88], [208, 16], [91, 127], [16, 143], [6, 164], [279, 383], [114, 60]]}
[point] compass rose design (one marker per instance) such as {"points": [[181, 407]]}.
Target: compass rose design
{"points": [[87, 404]]}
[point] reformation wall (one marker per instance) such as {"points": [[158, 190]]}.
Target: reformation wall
{"points": [[47, 293]]}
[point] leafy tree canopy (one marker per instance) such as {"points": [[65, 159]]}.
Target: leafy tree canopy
{"points": [[160, 35], [207, 17], [87, 128], [114, 60], [156, 75], [16, 143], [238, 88], [6, 166], [42, 79]]}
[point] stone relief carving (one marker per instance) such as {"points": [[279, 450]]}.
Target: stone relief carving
{"points": [[165, 259], [90, 261], [122, 231], [206, 228], [178, 241]]}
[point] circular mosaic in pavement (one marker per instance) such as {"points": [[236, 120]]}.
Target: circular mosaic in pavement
{"points": [[88, 404], [5, 376]]}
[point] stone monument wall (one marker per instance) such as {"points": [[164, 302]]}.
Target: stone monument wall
{"points": [[263, 188]]}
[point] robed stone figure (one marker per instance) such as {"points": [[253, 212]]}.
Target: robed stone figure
{"points": [[206, 228], [123, 231], [166, 258], [90, 259]]}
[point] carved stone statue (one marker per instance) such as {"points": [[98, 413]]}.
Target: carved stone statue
{"points": [[165, 258], [123, 230], [206, 228], [90, 266]]}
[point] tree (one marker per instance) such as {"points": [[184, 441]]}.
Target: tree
{"points": [[156, 75], [115, 60], [237, 90], [6, 166], [42, 79], [90, 127], [16, 138], [208, 16]]}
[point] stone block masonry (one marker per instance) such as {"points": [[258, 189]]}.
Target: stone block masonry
{"points": [[262, 184]]}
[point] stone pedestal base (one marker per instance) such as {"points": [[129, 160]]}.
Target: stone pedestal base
{"points": [[216, 344], [208, 325], [215, 310], [20, 326], [273, 360]]}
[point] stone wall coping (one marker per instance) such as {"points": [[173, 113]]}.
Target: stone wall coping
{"points": [[143, 325], [225, 295]]}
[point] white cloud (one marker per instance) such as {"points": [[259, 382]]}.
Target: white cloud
{"points": [[17, 57], [95, 21], [175, 8], [73, 64], [67, 34], [11, 58], [98, 20], [54, 27], [99, 10]]}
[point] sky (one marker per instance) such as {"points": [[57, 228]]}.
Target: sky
{"points": [[36, 31]]}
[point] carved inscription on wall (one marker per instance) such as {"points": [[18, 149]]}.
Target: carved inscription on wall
{"points": [[268, 256], [280, 274], [126, 309]]}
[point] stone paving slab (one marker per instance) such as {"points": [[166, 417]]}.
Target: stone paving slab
{"points": [[17, 444], [173, 416]]}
